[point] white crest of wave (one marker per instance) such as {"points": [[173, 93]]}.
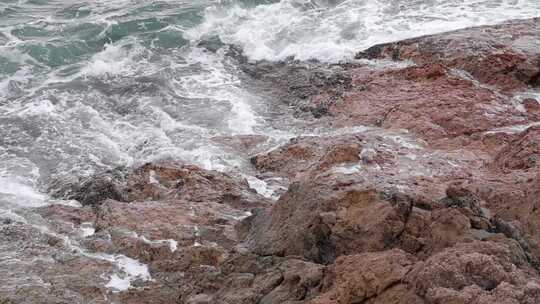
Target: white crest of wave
{"points": [[114, 60], [23, 195], [216, 83], [334, 30]]}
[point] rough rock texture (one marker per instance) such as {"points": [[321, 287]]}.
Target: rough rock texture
{"points": [[423, 188], [379, 275], [294, 82], [506, 56], [522, 153], [171, 218], [451, 201], [155, 182]]}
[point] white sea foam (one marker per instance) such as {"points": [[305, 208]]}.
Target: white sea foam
{"points": [[173, 245], [87, 229], [328, 31], [115, 59], [130, 270], [347, 169], [217, 83], [16, 82], [22, 195], [260, 186], [37, 108], [513, 128]]}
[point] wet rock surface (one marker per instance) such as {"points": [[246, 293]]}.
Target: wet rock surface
{"points": [[505, 56], [423, 188]]}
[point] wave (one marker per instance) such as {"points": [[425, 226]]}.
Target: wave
{"points": [[333, 31]]}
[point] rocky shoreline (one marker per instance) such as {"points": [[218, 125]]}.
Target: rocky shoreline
{"points": [[427, 191]]}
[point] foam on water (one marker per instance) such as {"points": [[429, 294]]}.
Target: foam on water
{"points": [[514, 128], [130, 270], [336, 30], [87, 229], [30, 196], [113, 60], [217, 83], [262, 187], [173, 244], [12, 85], [347, 169], [15, 193]]}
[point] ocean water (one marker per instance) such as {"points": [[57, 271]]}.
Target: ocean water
{"points": [[90, 85]]}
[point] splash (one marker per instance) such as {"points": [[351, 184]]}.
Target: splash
{"points": [[335, 30]]}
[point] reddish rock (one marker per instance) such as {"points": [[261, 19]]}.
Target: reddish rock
{"points": [[157, 181], [531, 105], [439, 105], [476, 273], [300, 154], [51, 268], [188, 182], [513, 198], [505, 55], [522, 153], [363, 277], [312, 221], [172, 218]]}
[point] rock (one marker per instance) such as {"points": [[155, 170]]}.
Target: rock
{"points": [[172, 218], [40, 267], [298, 224], [242, 143], [477, 272], [295, 83], [531, 105], [450, 114], [300, 281], [480, 266], [299, 155], [504, 55], [359, 278], [252, 279], [521, 153], [512, 199], [158, 181], [94, 190], [459, 197]]}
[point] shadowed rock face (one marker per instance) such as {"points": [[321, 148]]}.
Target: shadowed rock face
{"points": [[425, 190], [154, 182], [294, 83]]}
